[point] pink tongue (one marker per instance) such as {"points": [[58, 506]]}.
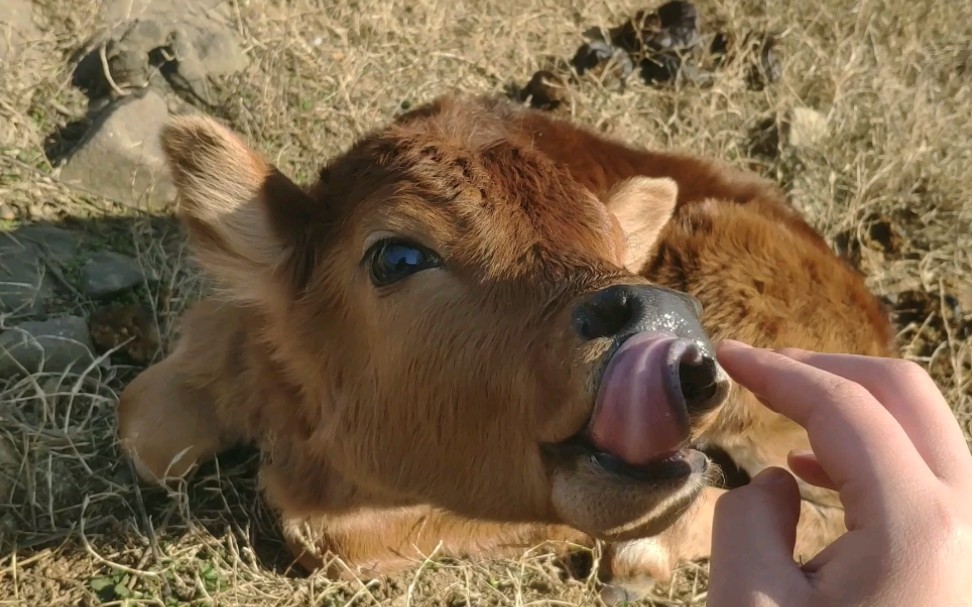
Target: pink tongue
{"points": [[634, 418]]}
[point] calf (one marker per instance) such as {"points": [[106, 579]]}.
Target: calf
{"points": [[483, 328]]}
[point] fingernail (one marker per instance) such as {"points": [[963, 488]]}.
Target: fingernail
{"points": [[801, 453]]}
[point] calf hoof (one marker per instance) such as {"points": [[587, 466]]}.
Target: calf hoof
{"points": [[626, 591]]}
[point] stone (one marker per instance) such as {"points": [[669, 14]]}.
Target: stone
{"points": [[50, 346], [109, 273], [546, 90], [128, 55], [806, 127], [121, 157], [57, 244], [17, 28], [115, 12], [186, 44], [129, 330], [201, 54], [26, 285], [603, 61]]}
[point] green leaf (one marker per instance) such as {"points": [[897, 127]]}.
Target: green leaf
{"points": [[122, 591], [101, 583]]}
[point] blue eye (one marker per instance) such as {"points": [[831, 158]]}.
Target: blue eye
{"points": [[393, 260]]}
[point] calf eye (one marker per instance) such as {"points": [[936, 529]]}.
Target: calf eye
{"points": [[392, 260]]}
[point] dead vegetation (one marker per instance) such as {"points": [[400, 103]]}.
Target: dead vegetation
{"points": [[868, 128]]}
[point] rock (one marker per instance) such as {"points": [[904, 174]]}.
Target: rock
{"points": [[673, 26], [114, 12], [769, 68], [7, 212], [26, 285], [128, 55], [129, 328], [603, 61], [661, 41], [806, 127], [186, 44], [50, 346], [109, 273], [546, 90], [199, 55], [763, 64], [17, 28], [57, 244], [121, 158]]}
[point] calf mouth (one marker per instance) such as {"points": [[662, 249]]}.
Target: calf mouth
{"points": [[650, 387]]}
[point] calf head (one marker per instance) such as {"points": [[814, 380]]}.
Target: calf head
{"points": [[463, 322]]}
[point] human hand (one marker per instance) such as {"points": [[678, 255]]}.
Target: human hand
{"points": [[883, 437]]}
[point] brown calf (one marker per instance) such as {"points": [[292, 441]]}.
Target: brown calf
{"points": [[479, 330]]}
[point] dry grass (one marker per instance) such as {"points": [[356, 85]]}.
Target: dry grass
{"points": [[888, 185]]}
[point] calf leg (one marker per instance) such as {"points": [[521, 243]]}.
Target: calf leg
{"points": [[165, 426], [633, 567], [366, 542]]}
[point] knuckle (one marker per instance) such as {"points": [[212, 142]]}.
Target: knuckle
{"points": [[908, 371], [941, 524], [845, 390], [948, 523], [791, 352]]}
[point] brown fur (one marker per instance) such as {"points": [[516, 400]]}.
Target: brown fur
{"points": [[396, 421]]}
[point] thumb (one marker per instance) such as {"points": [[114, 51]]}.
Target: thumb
{"points": [[753, 537]]}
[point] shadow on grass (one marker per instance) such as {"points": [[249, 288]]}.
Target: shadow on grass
{"points": [[64, 488]]}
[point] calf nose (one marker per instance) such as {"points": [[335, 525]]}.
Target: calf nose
{"points": [[606, 313]]}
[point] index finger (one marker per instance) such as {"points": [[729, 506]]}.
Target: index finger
{"points": [[911, 396], [856, 440]]}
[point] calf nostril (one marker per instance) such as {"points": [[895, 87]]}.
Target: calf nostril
{"points": [[698, 382], [606, 314]]}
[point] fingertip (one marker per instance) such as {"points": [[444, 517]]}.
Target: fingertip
{"points": [[734, 344], [772, 485], [731, 353], [773, 476]]}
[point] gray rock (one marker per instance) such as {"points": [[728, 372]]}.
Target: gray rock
{"points": [[57, 244], [201, 55], [121, 156], [114, 12], [26, 285], [109, 273], [128, 54], [188, 43], [50, 346], [17, 28]]}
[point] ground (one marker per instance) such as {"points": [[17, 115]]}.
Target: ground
{"points": [[868, 128]]}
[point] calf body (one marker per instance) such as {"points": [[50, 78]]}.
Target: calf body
{"points": [[483, 329]]}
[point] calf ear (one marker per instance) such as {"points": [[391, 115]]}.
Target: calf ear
{"points": [[246, 220], [643, 206]]}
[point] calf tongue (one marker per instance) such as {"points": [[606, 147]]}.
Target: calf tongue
{"points": [[640, 415]]}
